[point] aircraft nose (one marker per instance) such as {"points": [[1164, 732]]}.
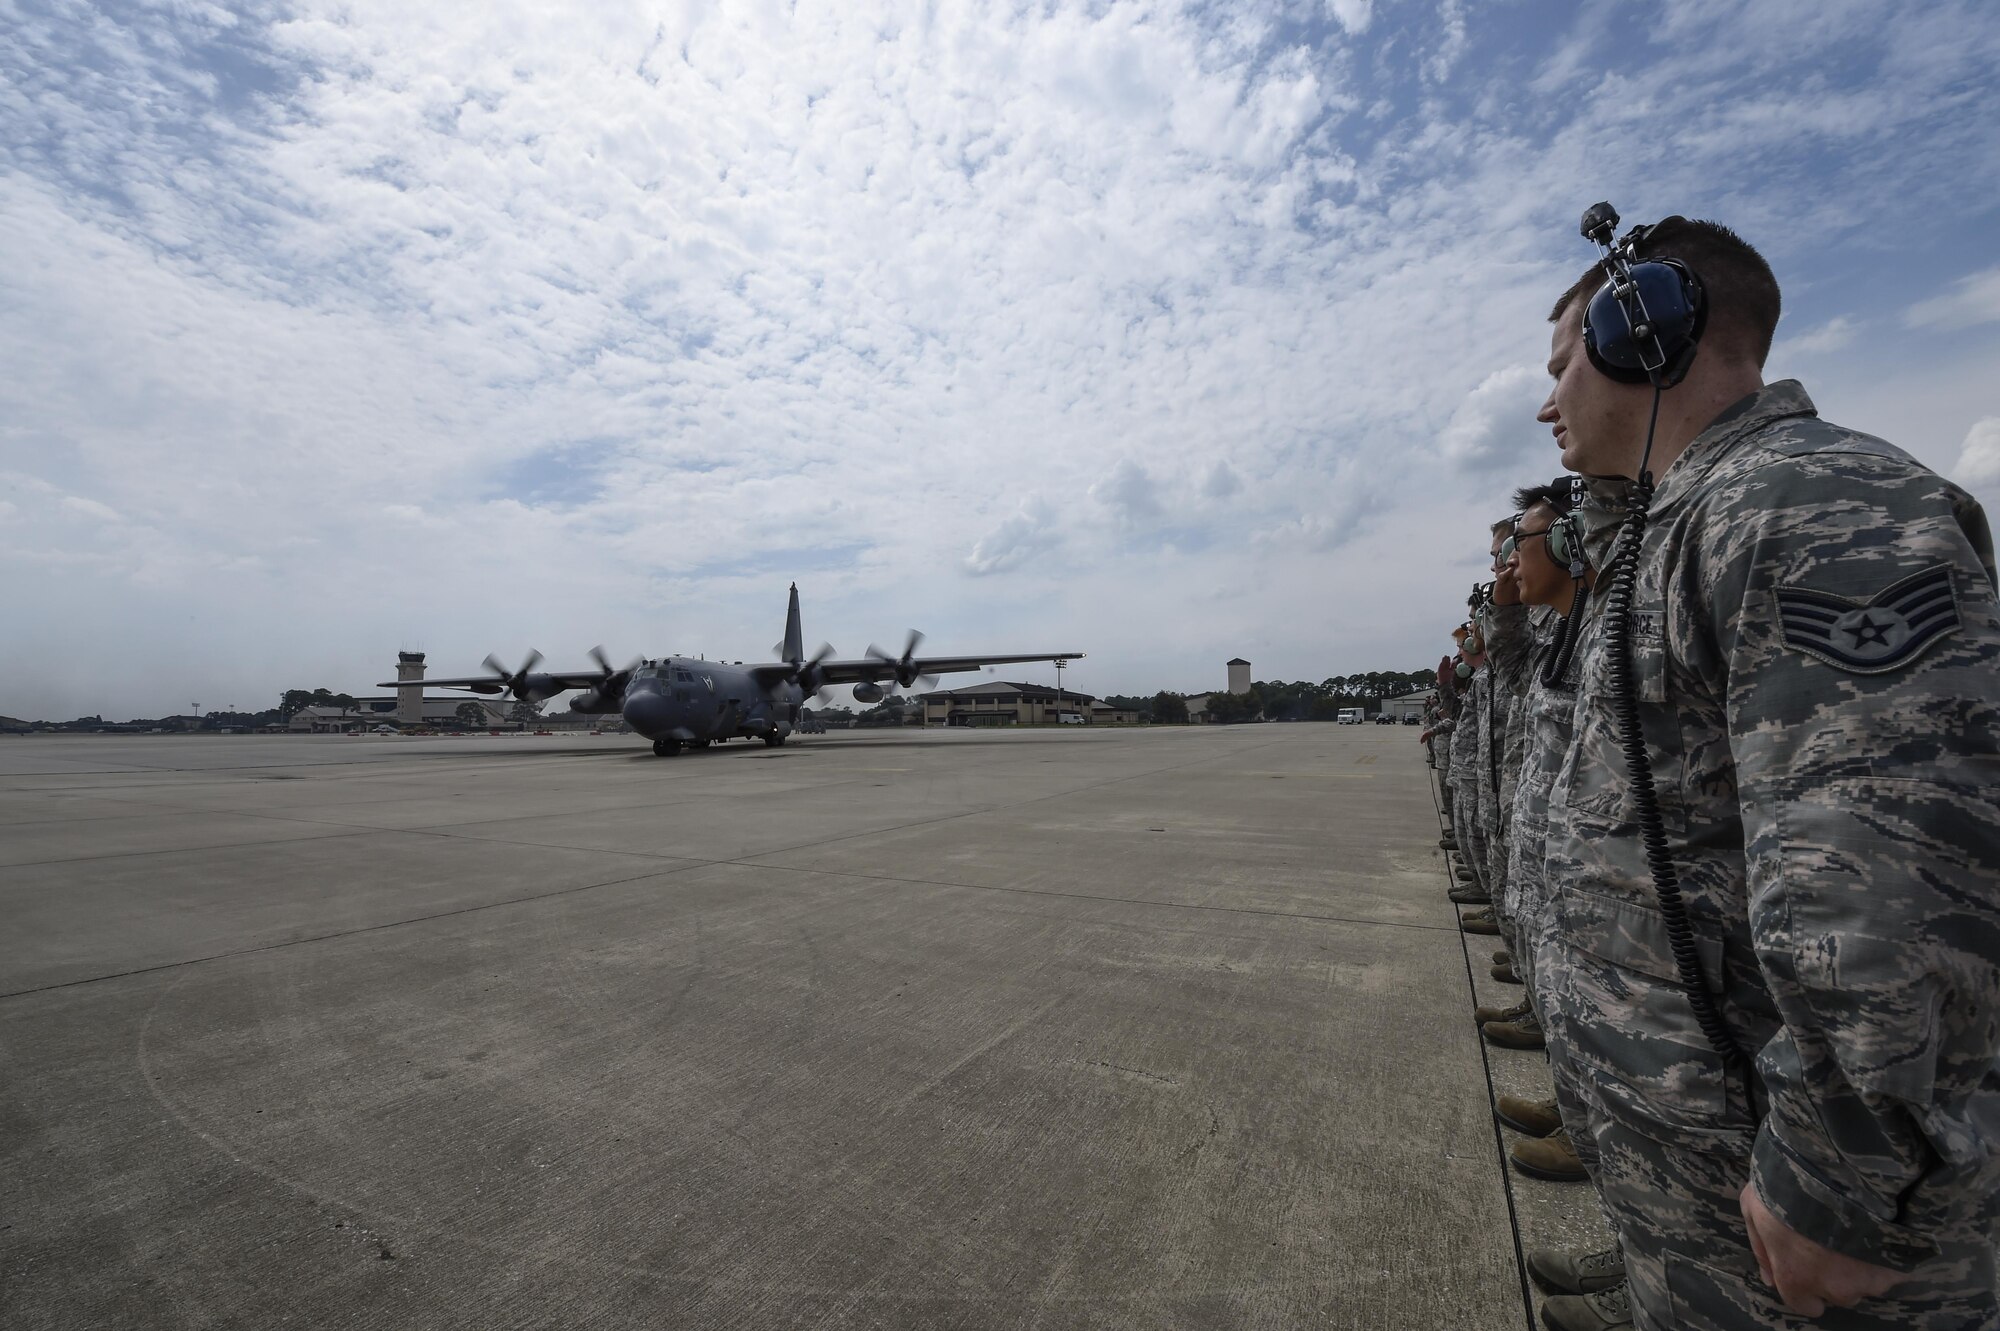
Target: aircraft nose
{"points": [[648, 713]]}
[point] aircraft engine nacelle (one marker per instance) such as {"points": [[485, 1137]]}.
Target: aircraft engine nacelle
{"points": [[592, 703], [868, 693]]}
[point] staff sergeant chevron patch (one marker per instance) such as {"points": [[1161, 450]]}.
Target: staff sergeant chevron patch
{"points": [[1873, 636]]}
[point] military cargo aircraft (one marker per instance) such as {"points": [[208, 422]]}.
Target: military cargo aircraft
{"points": [[680, 702]]}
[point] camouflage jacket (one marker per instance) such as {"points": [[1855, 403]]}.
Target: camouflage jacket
{"points": [[1818, 670], [1547, 721], [1465, 740], [1509, 650]]}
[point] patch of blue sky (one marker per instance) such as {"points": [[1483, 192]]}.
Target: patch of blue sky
{"points": [[560, 477], [788, 562]]}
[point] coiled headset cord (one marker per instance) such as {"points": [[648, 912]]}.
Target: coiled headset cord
{"points": [[1638, 763], [1556, 664]]}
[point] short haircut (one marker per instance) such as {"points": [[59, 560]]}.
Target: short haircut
{"points": [[1504, 527], [1744, 303], [1555, 494]]}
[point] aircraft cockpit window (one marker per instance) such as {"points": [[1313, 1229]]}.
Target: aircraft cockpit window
{"points": [[685, 676]]}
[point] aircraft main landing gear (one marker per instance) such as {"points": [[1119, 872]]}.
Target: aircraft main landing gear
{"points": [[774, 740], [666, 748]]}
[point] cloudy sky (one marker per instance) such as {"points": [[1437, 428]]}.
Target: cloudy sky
{"points": [[1163, 332]]}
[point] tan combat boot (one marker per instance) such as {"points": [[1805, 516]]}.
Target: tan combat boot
{"points": [[1605, 1311], [1537, 1118], [1521, 1033], [1479, 922], [1505, 973], [1576, 1273], [1551, 1157], [1486, 1012]]}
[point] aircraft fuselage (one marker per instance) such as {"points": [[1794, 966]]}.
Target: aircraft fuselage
{"points": [[675, 700]]}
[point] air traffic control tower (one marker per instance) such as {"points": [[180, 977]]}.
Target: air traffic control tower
{"points": [[409, 688]]}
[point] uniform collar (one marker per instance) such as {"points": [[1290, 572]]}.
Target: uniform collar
{"points": [[1740, 420]]}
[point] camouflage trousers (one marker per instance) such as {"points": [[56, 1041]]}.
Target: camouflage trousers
{"points": [[1688, 1262], [1471, 838], [1542, 961]]}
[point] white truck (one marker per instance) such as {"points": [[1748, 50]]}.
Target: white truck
{"points": [[1351, 716]]}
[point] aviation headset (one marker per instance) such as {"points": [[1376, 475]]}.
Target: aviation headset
{"points": [[1643, 326], [1646, 321], [1565, 534]]}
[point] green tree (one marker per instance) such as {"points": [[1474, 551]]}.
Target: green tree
{"points": [[471, 715], [525, 712], [1232, 708], [293, 702], [1170, 709]]}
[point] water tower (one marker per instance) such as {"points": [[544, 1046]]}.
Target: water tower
{"points": [[1239, 676]]}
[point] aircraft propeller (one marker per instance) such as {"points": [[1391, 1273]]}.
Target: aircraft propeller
{"points": [[805, 673], [520, 682], [604, 664], [905, 670]]}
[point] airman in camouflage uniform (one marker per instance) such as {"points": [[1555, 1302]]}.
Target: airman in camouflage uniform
{"points": [[1504, 621], [1817, 663], [1466, 728]]}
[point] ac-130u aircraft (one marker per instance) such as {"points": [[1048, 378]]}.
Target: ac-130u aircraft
{"points": [[676, 701]]}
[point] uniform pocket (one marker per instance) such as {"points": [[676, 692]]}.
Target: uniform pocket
{"points": [[1597, 784], [1629, 1027], [1708, 1298]]}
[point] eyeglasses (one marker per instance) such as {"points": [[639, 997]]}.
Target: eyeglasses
{"points": [[1513, 543]]}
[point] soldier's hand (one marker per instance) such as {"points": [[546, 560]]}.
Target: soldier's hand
{"points": [[1807, 1276]]}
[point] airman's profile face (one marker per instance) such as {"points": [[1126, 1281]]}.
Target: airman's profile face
{"points": [[1542, 580], [1598, 423]]}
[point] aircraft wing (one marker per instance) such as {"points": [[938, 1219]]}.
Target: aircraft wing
{"points": [[873, 669], [556, 682]]}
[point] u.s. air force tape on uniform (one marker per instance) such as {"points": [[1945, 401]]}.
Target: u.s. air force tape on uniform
{"points": [[1870, 637]]}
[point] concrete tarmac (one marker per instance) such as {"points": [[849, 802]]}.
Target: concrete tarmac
{"points": [[1151, 1028]]}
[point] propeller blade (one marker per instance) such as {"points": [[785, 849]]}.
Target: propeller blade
{"points": [[603, 661], [492, 663]]}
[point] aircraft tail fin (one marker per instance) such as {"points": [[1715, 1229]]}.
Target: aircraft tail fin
{"points": [[795, 647]]}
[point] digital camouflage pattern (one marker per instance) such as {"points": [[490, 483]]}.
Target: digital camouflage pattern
{"points": [[1548, 725], [1836, 827], [1507, 650], [1466, 825]]}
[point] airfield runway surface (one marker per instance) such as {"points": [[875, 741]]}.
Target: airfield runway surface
{"points": [[1148, 1028]]}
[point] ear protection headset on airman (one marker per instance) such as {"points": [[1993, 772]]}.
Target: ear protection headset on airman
{"points": [[1566, 532], [1645, 322]]}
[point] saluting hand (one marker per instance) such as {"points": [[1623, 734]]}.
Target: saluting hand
{"points": [[1808, 1277]]}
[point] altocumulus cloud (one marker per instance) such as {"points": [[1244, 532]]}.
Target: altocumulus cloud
{"points": [[569, 325]]}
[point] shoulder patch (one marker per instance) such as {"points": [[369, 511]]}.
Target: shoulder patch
{"points": [[1870, 637]]}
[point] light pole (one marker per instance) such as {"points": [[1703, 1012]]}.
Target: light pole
{"points": [[1059, 666]]}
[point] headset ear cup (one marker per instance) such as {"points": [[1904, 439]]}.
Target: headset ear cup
{"points": [[1566, 545], [1606, 329]]}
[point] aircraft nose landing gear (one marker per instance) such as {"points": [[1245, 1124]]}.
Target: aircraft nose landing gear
{"points": [[773, 739], [666, 748]]}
